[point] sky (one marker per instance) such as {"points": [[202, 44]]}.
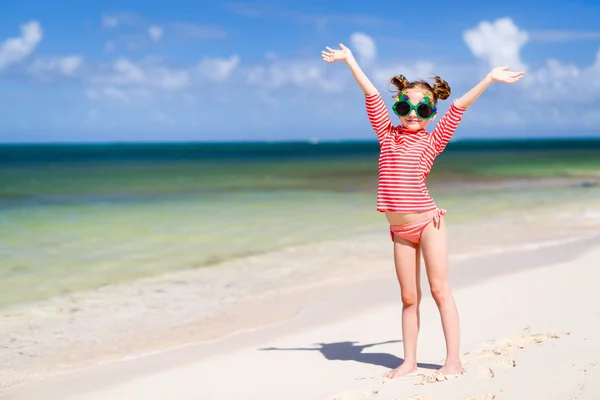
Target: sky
{"points": [[183, 70]]}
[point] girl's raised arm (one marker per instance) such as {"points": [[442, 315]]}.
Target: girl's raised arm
{"points": [[498, 74], [376, 110], [344, 54], [447, 124]]}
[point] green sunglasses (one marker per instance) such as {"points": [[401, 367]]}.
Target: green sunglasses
{"points": [[425, 109]]}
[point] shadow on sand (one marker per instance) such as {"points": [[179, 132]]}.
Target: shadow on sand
{"points": [[350, 351]]}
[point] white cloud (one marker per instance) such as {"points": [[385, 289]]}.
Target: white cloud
{"points": [[136, 83], [557, 79], [68, 65], [128, 73], [63, 65], [497, 43], [155, 32], [364, 45], [500, 43], [148, 82], [299, 73], [14, 50], [218, 69]]}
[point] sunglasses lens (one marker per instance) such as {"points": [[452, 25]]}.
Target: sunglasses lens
{"points": [[402, 108], [425, 111]]}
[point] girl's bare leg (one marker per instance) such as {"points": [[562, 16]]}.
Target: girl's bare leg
{"points": [[407, 261], [434, 246]]}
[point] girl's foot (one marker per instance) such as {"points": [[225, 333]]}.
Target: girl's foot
{"points": [[451, 369], [405, 368]]}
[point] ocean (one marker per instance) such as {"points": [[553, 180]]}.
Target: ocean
{"points": [[76, 217]]}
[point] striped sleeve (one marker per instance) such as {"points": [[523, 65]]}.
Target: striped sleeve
{"points": [[378, 116], [446, 126]]}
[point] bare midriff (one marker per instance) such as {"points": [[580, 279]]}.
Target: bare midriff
{"points": [[395, 218]]}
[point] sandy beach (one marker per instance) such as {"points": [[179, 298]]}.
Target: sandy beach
{"points": [[323, 322]]}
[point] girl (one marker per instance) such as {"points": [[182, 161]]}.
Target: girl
{"points": [[407, 153]]}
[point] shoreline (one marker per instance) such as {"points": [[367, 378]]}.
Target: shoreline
{"points": [[193, 306], [323, 307], [457, 215]]}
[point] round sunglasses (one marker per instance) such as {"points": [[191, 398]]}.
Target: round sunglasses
{"points": [[424, 110]]}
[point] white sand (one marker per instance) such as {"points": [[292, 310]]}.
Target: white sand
{"points": [[532, 334]]}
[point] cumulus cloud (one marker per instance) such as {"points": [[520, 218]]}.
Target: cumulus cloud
{"points": [[155, 32], [497, 43], [14, 50], [364, 46], [128, 73], [500, 43], [279, 74], [62, 65], [130, 83], [218, 69], [557, 79]]}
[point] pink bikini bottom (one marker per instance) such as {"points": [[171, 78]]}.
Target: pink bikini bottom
{"points": [[413, 230]]}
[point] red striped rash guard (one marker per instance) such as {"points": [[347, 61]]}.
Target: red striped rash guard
{"points": [[406, 157]]}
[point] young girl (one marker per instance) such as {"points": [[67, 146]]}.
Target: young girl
{"points": [[407, 153]]}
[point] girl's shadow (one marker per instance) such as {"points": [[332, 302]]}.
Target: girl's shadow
{"points": [[350, 351]]}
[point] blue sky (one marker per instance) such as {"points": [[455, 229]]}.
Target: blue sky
{"points": [[185, 70]]}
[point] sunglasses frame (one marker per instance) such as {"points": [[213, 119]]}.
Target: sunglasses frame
{"points": [[405, 99]]}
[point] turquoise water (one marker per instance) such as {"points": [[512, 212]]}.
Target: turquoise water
{"points": [[78, 217]]}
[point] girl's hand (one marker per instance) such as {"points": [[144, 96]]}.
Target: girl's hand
{"points": [[504, 74], [344, 54], [332, 55]]}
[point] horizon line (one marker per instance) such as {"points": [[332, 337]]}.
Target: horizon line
{"points": [[291, 141]]}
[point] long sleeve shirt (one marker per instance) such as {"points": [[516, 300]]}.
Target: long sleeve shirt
{"points": [[406, 157]]}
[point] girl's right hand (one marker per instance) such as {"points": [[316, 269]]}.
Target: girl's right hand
{"points": [[332, 55]]}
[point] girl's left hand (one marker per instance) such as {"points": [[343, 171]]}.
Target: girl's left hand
{"points": [[504, 74]]}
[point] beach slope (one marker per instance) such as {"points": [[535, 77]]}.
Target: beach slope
{"points": [[530, 330]]}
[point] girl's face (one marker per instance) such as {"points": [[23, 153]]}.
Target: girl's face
{"points": [[412, 122]]}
